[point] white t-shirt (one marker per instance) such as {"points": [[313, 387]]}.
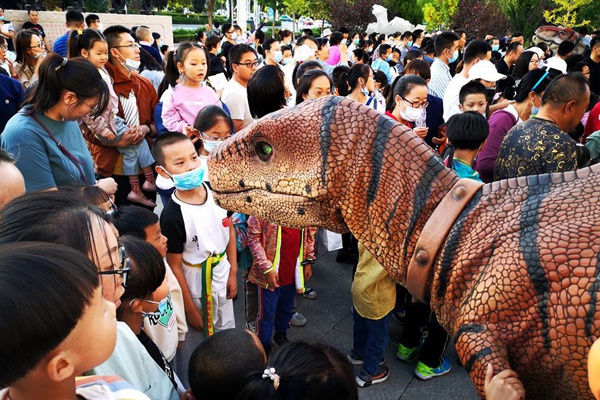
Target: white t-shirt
{"points": [[197, 232], [451, 96], [235, 97]]}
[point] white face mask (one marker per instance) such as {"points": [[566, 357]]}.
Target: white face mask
{"points": [[233, 36], [131, 65], [100, 27], [411, 114], [277, 56]]}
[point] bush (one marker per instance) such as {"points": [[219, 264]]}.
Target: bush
{"points": [[184, 35]]}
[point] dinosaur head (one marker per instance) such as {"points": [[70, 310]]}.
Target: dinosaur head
{"points": [[553, 36], [276, 168]]}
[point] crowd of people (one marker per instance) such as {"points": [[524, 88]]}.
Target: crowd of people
{"points": [[99, 126]]}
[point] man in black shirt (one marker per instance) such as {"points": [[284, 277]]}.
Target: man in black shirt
{"points": [[507, 64], [593, 62], [33, 24]]}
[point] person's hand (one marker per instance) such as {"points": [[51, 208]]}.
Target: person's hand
{"points": [[343, 47], [232, 286], [307, 271], [127, 138], [421, 131], [138, 132], [190, 131], [194, 319], [108, 185], [109, 135], [207, 28], [272, 278], [503, 386], [440, 139], [503, 104], [187, 395]]}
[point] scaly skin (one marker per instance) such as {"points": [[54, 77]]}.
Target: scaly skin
{"points": [[516, 280]]}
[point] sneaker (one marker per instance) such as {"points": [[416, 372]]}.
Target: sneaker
{"points": [[280, 338], [399, 315], [298, 320], [407, 354], [363, 379], [309, 293], [424, 372], [251, 327], [358, 360]]}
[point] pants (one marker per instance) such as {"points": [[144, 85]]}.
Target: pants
{"points": [[223, 318], [419, 315], [136, 156], [250, 298], [275, 310], [371, 337]]}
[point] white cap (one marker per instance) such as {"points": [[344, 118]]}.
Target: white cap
{"points": [[303, 53], [326, 32], [485, 70], [537, 51]]}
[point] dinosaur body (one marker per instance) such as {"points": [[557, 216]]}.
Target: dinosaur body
{"points": [[516, 280], [553, 36]]}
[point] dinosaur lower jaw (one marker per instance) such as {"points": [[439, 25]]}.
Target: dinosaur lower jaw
{"points": [[282, 209]]}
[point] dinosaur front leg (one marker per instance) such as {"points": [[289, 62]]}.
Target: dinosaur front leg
{"points": [[478, 348]]}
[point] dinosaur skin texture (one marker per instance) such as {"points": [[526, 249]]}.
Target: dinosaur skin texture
{"points": [[517, 279]]}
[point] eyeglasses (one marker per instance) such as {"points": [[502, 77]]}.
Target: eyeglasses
{"points": [[124, 266], [219, 139], [250, 64], [40, 45], [416, 104], [319, 93], [130, 46], [4, 47]]}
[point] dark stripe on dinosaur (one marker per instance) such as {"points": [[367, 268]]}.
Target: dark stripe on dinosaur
{"points": [[482, 273], [450, 247], [237, 147], [422, 192], [468, 328], [382, 131], [473, 359], [327, 115], [591, 313], [538, 188]]}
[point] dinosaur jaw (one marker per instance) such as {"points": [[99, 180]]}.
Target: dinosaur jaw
{"points": [[282, 209]]}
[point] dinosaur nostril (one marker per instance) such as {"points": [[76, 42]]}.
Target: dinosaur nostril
{"points": [[301, 211], [242, 184], [269, 187], [249, 199]]}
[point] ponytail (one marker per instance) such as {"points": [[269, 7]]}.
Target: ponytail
{"points": [[178, 56], [82, 40], [342, 85]]}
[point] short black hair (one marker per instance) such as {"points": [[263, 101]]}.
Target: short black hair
{"points": [[212, 42], [237, 52], [301, 68], [344, 30], [147, 268], [513, 47], [306, 81], [595, 42], [472, 87], [225, 28], [536, 81], [476, 49], [308, 32], [416, 34], [209, 116], [335, 38], [267, 44], [259, 36], [406, 35], [74, 16], [565, 88], [266, 91], [91, 18], [405, 84], [467, 130], [163, 141], [443, 41], [36, 315], [565, 47], [113, 35], [222, 363], [133, 221], [383, 49], [418, 67]]}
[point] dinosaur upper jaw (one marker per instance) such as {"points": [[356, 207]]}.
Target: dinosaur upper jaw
{"points": [[283, 209]]}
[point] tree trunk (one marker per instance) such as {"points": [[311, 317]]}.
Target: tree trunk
{"points": [[209, 10]]}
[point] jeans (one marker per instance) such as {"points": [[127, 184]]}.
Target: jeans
{"points": [[371, 337], [135, 156], [275, 310]]}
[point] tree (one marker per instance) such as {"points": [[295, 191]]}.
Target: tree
{"points": [[410, 10], [565, 13], [439, 13], [296, 8], [353, 14], [481, 17], [524, 15]]}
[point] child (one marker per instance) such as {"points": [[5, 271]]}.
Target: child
{"points": [[144, 224], [201, 249], [467, 132], [47, 344], [189, 64], [472, 97], [279, 256], [109, 128], [145, 296]]}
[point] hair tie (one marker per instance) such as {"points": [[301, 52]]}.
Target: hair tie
{"points": [[62, 64], [270, 374], [80, 31]]}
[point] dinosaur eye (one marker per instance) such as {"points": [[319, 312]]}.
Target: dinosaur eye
{"points": [[264, 151]]}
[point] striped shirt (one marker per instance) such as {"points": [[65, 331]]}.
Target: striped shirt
{"points": [[440, 77]]}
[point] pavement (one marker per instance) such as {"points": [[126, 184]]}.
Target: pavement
{"points": [[330, 321]]}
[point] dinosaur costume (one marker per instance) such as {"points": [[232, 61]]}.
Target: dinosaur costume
{"points": [[515, 281]]}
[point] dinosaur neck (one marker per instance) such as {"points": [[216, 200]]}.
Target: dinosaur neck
{"points": [[398, 188]]}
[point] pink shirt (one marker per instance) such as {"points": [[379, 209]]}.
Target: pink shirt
{"points": [[184, 104], [334, 56]]}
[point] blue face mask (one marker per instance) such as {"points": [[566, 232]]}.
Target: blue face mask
{"points": [[454, 57], [388, 58], [427, 58], [534, 110], [409, 44], [210, 144], [495, 47], [188, 180], [356, 41]]}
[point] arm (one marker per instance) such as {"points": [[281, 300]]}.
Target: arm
{"points": [[232, 257], [194, 319], [171, 118], [255, 233], [178, 303], [238, 124]]}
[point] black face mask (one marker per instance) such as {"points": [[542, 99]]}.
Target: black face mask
{"points": [[392, 63], [490, 92]]}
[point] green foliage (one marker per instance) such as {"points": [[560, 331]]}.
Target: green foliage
{"points": [[184, 35], [410, 10], [439, 13], [96, 6], [592, 13], [565, 13], [524, 15]]}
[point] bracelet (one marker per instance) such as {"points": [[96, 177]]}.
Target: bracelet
{"points": [[307, 262], [269, 270]]}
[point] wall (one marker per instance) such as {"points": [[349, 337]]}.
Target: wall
{"points": [[54, 22]]}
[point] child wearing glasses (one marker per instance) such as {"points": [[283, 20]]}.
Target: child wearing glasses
{"points": [[146, 298], [185, 72], [201, 246], [71, 334]]}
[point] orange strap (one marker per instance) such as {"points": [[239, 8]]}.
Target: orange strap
{"points": [[434, 235]]}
